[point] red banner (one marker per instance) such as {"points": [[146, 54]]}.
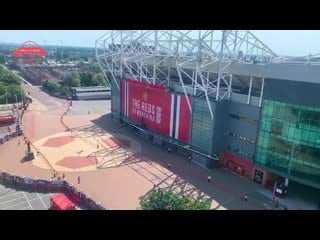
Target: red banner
{"points": [[123, 98], [183, 119], [150, 106]]}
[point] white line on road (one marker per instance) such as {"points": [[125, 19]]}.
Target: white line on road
{"points": [[7, 193], [13, 206], [41, 200], [11, 200], [267, 206], [27, 200]]}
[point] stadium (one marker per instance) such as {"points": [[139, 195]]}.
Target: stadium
{"points": [[221, 98]]}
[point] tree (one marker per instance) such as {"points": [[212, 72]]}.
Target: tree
{"points": [[159, 199], [95, 67], [2, 59], [52, 87], [64, 91], [86, 79], [72, 79], [14, 93], [99, 80], [9, 77]]}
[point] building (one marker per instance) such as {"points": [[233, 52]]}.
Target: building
{"points": [[91, 93], [245, 109]]}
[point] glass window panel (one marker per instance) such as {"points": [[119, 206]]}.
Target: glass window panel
{"points": [[312, 137], [285, 130], [291, 131]]}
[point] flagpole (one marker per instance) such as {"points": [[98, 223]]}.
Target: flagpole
{"points": [[21, 94]]}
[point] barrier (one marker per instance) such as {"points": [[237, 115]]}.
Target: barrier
{"points": [[56, 185]]}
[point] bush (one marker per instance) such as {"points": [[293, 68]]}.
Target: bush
{"points": [[159, 199]]}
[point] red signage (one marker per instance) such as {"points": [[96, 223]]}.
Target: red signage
{"points": [[29, 48], [183, 119], [238, 160], [150, 106], [123, 89]]}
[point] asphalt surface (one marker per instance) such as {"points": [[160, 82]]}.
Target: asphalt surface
{"points": [[94, 106], [11, 199]]}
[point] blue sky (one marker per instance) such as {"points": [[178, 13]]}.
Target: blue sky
{"points": [[288, 42]]}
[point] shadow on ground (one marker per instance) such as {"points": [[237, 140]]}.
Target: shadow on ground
{"points": [[184, 177]]}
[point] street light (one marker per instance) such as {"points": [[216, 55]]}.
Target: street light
{"points": [[6, 96], [274, 192], [81, 151]]}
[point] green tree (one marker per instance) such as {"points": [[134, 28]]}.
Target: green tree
{"points": [[52, 87], [159, 199], [14, 93], [64, 91], [9, 77], [99, 80], [86, 79], [2, 59], [72, 79], [95, 67]]}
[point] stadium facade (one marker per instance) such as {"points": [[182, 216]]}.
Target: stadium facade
{"points": [[221, 98]]}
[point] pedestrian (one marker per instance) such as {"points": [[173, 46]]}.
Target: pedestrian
{"points": [[63, 176], [97, 145], [169, 149], [169, 165], [19, 142], [189, 158], [246, 198], [209, 179]]}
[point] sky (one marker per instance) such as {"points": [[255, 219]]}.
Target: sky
{"points": [[282, 42]]}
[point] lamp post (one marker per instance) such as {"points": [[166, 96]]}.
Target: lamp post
{"points": [[274, 191], [79, 167], [6, 96], [21, 92]]}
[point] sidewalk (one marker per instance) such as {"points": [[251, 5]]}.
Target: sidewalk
{"points": [[290, 203]]}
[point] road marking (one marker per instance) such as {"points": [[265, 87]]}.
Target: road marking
{"points": [[11, 200], [41, 200], [27, 200], [267, 206], [5, 194], [13, 206]]}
